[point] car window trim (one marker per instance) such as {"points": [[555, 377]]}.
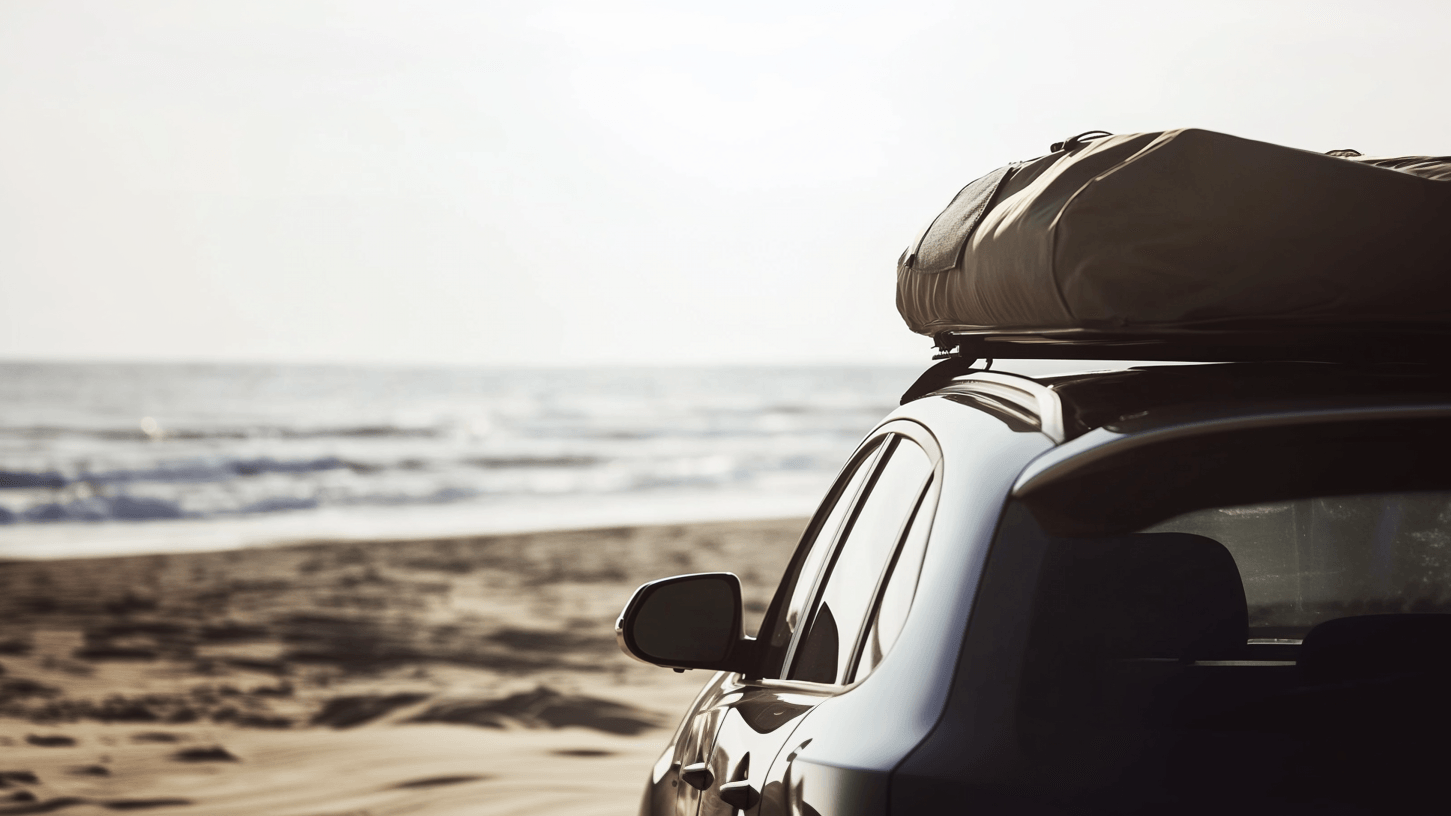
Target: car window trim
{"points": [[919, 434], [871, 445], [802, 686], [867, 455], [902, 430], [848, 522]]}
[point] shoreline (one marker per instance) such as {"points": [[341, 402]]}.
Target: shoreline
{"points": [[430, 659], [105, 539]]}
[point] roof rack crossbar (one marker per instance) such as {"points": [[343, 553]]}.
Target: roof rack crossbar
{"points": [[1421, 344]]}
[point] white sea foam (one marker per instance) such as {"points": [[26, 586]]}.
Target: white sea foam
{"points": [[98, 459]]}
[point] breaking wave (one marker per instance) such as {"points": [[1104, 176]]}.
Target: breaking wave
{"points": [[159, 443]]}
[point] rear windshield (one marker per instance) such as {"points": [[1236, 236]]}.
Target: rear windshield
{"points": [[1311, 560]]}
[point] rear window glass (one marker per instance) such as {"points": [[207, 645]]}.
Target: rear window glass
{"points": [[1311, 560]]}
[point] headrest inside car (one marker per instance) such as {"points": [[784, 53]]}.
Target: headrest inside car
{"points": [[1372, 646], [1146, 595]]}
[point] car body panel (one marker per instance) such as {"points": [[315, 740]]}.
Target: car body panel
{"points": [[982, 456], [667, 794], [756, 721], [835, 750], [757, 717]]}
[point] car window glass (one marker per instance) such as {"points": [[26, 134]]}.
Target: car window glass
{"points": [[901, 586], [1305, 561], [800, 584], [851, 578]]}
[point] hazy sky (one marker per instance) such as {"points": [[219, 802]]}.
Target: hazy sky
{"points": [[582, 182]]}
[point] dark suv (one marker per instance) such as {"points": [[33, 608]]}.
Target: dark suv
{"points": [[1171, 589]]}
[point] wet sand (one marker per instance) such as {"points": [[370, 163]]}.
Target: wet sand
{"points": [[464, 675]]}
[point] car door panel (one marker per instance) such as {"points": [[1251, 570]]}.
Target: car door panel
{"points": [[668, 794], [817, 789], [755, 721]]}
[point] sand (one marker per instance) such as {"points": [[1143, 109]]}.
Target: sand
{"points": [[464, 675]]}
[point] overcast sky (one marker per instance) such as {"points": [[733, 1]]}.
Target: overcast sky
{"points": [[594, 182]]}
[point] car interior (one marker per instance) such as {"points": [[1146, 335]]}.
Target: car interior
{"points": [[1297, 654]]}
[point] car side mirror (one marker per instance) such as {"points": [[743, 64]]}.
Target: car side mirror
{"points": [[687, 622]]}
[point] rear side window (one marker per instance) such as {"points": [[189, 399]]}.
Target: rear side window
{"points": [[849, 585]]}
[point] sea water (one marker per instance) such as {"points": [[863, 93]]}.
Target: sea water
{"points": [[102, 459]]}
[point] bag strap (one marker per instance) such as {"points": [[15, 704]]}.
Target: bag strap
{"points": [[1078, 141]]}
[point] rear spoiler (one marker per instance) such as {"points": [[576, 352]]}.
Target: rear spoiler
{"points": [[1118, 479]]}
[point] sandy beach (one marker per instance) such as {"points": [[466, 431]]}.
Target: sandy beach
{"points": [[470, 675]]}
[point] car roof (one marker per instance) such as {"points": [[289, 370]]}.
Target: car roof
{"points": [[1066, 406]]}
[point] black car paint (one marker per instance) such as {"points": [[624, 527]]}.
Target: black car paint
{"points": [[817, 760], [932, 727]]}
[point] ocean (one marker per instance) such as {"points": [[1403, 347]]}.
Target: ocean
{"points": [[99, 459]]}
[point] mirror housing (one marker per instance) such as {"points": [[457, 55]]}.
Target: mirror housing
{"points": [[687, 622]]}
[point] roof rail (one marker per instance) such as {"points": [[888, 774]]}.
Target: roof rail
{"points": [[1038, 401], [1423, 342], [1022, 396]]}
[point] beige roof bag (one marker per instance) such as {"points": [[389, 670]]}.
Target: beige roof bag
{"points": [[1186, 229]]}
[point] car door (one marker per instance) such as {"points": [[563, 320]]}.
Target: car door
{"points": [[826, 627]]}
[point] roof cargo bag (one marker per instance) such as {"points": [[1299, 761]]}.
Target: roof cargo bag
{"points": [[1185, 231]]}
